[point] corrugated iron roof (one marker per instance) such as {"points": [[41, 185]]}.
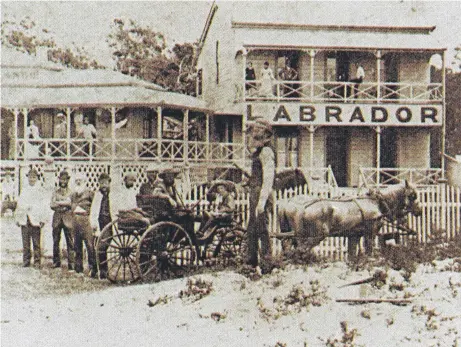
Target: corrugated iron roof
{"points": [[29, 82]]}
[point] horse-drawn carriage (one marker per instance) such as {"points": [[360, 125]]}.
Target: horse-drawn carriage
{"points": [[309, 220], [159, 241]]}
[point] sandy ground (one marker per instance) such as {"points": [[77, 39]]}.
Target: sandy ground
{"points": [[54, 307]]}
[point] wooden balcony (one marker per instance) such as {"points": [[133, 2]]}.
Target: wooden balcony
{"points": [[192, 152], [382, 177], [343, 92]]}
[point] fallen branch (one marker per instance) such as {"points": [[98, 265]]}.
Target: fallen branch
{"points": [[379, 275], [376, 301]]}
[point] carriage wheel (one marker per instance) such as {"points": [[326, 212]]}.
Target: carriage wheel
{"points": [[116, 253], [165, 251], [227, 243]]}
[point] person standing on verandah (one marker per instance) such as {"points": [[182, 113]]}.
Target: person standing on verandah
{"points": [[267, 79], [88, 132], [359, 76]]}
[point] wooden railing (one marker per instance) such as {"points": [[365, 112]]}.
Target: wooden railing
{"points": [[326, 91], [130, 149], [382, 177]]}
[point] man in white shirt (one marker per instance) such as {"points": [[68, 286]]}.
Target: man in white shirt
{"points": [[31, 216], [124, 196], [88, 132], [359, 76]]}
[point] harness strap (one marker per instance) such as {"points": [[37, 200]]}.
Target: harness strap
{"points": [[376, 194], [360, 208]]}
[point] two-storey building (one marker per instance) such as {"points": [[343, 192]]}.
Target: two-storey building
{"points": [[361, 96]]}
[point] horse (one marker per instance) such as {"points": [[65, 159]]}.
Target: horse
{"points": [[289, 178], [313, 219]]}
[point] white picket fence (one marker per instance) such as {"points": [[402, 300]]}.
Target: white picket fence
{"points": [[441, 208], [441, 213]]}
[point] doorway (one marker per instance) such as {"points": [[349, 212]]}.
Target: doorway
{"points": [[337, 149]]}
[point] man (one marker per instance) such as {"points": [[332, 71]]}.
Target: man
{"points": [[124, 197], [31, 217], [81, 203], [289, 74], [7, 189], [167, 186], [225, 209], [102, 211], [62, 220], [152, 182], [360, 75], [260, 184], [60, 132], [88, 132]]}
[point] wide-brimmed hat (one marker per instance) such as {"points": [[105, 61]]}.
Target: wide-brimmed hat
{"points": [[64, 174], [263, 124], [169, 171], [61, 115], [229, 185]]}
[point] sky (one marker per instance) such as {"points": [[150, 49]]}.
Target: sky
{"points": [[87, 23]]}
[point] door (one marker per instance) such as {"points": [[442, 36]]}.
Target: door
{"points": [[286, 147], [337, 153]]}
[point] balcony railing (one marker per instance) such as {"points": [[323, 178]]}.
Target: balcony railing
{"points": [[374, 177], [130, 149], [366, 92]]}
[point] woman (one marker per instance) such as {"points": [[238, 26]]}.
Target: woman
{"points": [[267, 76]]}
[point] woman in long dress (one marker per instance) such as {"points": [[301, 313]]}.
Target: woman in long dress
{"points": [[267, 78]]}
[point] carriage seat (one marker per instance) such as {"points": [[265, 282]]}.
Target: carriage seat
{"points": [[134, 219]]}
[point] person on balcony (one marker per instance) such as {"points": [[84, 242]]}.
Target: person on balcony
{"points": [[62, 221], [88, 132], [250, 75], [33, 133], [359, 76], [60, 132], [31, 217], [81, 200], [260, 182], [267, 80], [288, 74]]}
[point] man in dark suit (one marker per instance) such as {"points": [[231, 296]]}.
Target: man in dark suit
{"points": [[62, 221]]}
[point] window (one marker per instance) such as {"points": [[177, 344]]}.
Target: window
{"points": [[286, 147]]}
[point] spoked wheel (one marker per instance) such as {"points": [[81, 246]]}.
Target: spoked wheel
{"points": [[165, 251], [116, 253], [227, 243]]}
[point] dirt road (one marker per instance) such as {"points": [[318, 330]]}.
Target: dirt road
{"points": [[293, 307]]}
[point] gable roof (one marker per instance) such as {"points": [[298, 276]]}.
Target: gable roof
{"points": [[330, 25]]}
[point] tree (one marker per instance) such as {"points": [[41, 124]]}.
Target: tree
{"points": [[142, 52], [27, 37]]}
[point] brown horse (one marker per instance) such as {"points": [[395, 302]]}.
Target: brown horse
{"points": [[313, 219]]}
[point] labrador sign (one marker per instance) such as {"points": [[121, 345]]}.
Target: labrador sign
{"points": [[347, 114]]}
